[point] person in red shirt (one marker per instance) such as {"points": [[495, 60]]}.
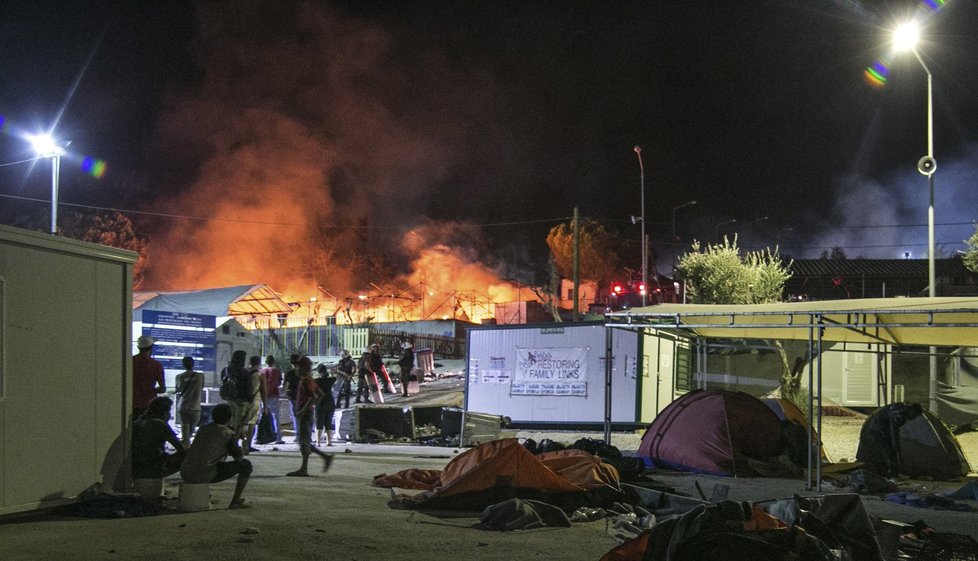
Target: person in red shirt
{"points": [[307, 395], [272, 378], [147, 376]]}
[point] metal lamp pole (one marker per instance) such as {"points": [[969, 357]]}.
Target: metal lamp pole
{"points": [[905, 38], [645, 265], [46, 147]]}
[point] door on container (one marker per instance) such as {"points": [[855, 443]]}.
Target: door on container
{"points": [[858, 378]]}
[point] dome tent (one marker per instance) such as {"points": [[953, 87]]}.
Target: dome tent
{"points": [[714, 432], [929, 449]]}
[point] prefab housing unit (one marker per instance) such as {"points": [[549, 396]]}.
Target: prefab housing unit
{"points": [[553, 375], [65, 368], [853, 374]]}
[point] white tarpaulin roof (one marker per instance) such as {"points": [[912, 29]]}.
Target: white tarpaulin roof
{"points": [[249, 299], [944, 321]]}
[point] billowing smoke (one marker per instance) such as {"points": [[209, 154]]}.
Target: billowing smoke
{"points": [[314, 143], [887, 218]]}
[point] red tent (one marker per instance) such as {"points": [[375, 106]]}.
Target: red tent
{"points": [[713, 431]]}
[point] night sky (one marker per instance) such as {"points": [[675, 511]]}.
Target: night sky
{"points": [[354, 122]]}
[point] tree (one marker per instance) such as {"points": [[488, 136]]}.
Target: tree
{"points": [[549, 294], [599, 255], [836, 253], [719, 274], [109, 228], [971, 254]]}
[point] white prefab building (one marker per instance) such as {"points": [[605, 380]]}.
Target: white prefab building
{"points": [[554, 375], [65, 368]]}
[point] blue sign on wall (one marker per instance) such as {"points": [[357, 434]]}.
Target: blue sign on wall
{"points": [[178, 334]]}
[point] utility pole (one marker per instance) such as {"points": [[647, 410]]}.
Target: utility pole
{"points": [[577, 263]]}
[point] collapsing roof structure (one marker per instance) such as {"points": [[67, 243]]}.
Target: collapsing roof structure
{"points": [[252, 299]]}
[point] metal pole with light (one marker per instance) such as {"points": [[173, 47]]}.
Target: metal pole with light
{"points": [[675, 239], [750, 231], [645, 266], [905, 38], [674, 209], [720, 225], [46, 147]]}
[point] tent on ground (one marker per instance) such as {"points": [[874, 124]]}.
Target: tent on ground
{"points": [[713, 431], [927, 448], [504, 469], [788, 411]]}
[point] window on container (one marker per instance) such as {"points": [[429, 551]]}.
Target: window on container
{"points": [[684, 367]]}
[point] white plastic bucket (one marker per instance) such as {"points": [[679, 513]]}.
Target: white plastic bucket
{"points": [[195, 497]]}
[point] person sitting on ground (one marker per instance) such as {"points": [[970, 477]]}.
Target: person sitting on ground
{"points": [[205, 459], [879, 438], [307, 395], [150, 434]]}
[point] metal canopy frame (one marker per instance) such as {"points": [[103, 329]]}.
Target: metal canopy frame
{"points": [[917, 321]]}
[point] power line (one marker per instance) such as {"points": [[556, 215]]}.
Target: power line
{"points": [[258, 222]]}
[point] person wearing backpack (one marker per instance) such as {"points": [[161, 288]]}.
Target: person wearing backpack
{"points": [[251, 388]]}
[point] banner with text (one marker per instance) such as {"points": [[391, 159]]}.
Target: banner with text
{"points": [[550, 372]]}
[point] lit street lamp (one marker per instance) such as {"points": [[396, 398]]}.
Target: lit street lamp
{"points": [[716, 235], [645, 265], [46, 147], [905, 38]]}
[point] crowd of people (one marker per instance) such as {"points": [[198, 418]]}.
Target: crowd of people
{"points": [[216, 451]]}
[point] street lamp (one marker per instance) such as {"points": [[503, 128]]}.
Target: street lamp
{"points": [[905, 38], [716, 235], [750, 229], [674, 209], [645, 266], [46, 147]]}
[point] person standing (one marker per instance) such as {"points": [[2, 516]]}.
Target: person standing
{"points": [[253, 405], [205, 463], [406, 364], [291, 384], [306, 396], [378, 368], [147, 376], [364, 374], [345, 369], [325, 407], [190, 384], [272, 376]]}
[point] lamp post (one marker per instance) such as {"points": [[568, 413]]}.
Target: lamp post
{"points": [[750, 228], [675, 238], [905, 38], [46, 147], [645, 266], [674, 209], [716, 234]]}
